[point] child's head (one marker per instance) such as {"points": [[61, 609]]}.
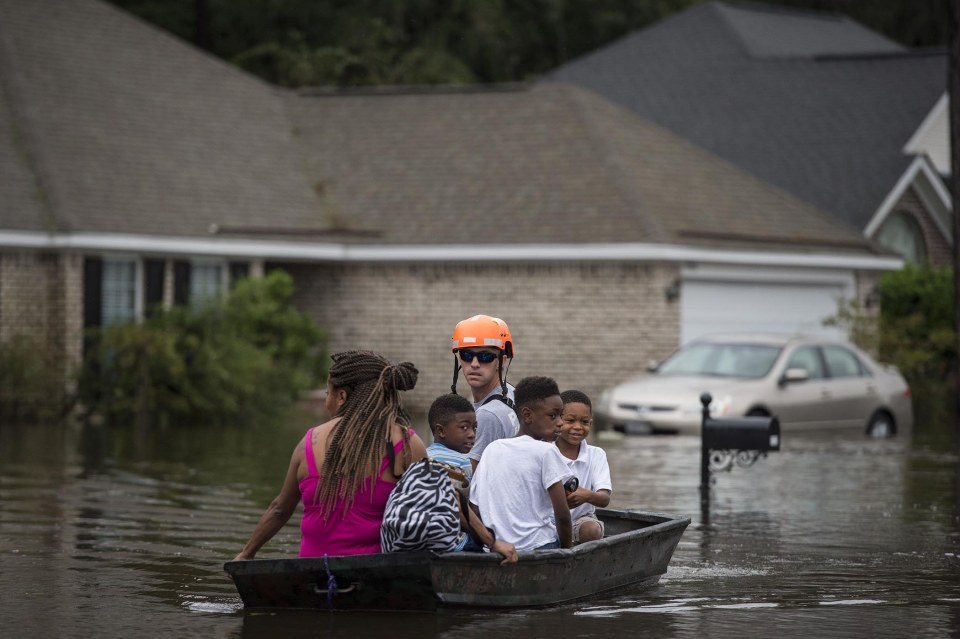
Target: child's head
{"points": [[577, 417], [453, 422], [539, 406]]}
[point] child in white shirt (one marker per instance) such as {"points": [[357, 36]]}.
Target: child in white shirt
{"points": [[588, 463], [518, 484]]}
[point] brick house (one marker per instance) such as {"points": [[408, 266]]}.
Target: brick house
{"points": [[136, 170]]}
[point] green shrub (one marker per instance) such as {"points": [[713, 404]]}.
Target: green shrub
{"points": [[32, 382], [915, 329], [917, 320], [245, 356]]}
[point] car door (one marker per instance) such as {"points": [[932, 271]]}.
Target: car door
{"points": [[853, 391], [802, 403]]}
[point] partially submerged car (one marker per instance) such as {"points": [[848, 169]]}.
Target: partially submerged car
{"points": [[805, 381]]}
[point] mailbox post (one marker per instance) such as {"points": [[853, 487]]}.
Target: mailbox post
{"points": [[726, 441]]}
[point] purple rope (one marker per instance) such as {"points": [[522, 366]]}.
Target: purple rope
{"points": [[331, 582]]}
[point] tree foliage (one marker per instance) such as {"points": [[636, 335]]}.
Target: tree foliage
{"points": [[243, 357], [367, 42], [915, 328], [916, 320], [32, 381]]}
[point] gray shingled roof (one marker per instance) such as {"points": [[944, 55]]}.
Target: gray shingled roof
{"points": [[553, 163], [119, 127], [112, 126], [813, 103]]}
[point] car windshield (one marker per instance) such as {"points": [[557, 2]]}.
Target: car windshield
{"points": [[721, 360]]}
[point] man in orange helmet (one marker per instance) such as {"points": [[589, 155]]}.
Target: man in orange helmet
{"points": [[480, 344]]}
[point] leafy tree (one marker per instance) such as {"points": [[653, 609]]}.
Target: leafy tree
{"points": [[916, 320], [915, 329], [31, 381], [365, 42], [334, 42]]}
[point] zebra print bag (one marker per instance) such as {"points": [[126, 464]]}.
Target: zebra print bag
{"points": [[422, 512]]}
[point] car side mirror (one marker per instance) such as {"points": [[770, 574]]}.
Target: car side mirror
{"points": [[794, 375], [652, 366]]}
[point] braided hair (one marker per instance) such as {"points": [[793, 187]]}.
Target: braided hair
{"points": [[366, 419]]}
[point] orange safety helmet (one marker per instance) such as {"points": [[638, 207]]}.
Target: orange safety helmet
{"points": [[483, 330]]}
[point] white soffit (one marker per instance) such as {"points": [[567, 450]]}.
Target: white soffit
{"points": [[308, 252]]}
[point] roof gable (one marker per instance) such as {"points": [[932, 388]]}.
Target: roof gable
{"points": [[932, 137], [923, 177]]}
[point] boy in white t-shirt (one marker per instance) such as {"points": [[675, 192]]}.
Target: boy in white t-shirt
{"points": [[518, 484], [588, 463]]}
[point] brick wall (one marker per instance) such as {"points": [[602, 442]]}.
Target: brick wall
{"points": [[587, 325], [41, 296]]}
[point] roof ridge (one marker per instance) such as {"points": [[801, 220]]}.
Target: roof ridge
{"points": [[575, 96], [785, 10]]}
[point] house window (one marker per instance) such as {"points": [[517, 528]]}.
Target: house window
{"points": [[118, 302], [207, 281], [902, 234]]}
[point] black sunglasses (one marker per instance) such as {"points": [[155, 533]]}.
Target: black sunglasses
{"points": [[484, 357]]}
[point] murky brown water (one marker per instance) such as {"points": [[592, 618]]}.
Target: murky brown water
{"points": [[123, 533]]}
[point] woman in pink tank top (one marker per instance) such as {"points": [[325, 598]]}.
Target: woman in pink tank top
{"points": [[343, 470]]}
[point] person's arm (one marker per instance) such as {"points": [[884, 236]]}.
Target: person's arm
{"points": [[580, 496], [561, 514], [418, 451], [485, 535], [278, 512]]}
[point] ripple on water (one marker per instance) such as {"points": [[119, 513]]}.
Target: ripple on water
{"points": [[710, 571]]}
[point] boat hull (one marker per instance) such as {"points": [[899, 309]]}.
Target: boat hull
{"points": [[635, 552]]}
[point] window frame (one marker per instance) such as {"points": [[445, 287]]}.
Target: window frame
{"points": [[138, 286]]}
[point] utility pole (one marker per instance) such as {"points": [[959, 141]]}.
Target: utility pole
{"points": [[953, 95]]}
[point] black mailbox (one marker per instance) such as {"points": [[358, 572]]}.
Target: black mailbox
{"points": [[725, 441], [742, 433]]}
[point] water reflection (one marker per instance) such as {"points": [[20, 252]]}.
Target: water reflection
{"points": [[110, 532]]}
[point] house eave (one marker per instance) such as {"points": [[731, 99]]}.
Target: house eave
{"points": [[354, 253]]}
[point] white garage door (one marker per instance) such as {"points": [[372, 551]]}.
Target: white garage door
{"points": [[720, 307]]}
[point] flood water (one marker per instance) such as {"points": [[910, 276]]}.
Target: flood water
{"points": [[121, 533]]}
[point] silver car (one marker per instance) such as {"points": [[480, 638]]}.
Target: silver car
{"points": [[807, 382]]}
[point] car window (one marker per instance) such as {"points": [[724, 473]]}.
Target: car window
{"points": [[807, 358], [721, 360], [842, 363]]}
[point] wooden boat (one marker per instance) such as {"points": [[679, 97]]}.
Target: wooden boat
{"points": [[635, 552]]}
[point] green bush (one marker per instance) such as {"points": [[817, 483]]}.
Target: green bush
{"points": [[917, 320], [31, 381], [239, 358], [915, 328]]}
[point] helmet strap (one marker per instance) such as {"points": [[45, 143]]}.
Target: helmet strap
{"points": [[456, 372], [502, 373]]}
